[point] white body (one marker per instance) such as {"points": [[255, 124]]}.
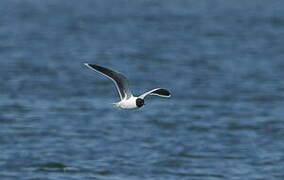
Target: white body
{"points": [[127, 103]]}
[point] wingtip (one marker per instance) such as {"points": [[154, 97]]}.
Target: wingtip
{"points": [[167, 96], [88, 65]]}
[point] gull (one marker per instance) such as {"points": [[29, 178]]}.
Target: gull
{"points": [[127, 100]]}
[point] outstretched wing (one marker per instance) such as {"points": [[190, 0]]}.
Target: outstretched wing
{"points": [[119, 80], [158, 92]]}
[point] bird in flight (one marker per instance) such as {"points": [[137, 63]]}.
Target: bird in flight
{"points": [[127, 100]]}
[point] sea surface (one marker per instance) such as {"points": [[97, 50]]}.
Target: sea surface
{"points": [[223, 61]]}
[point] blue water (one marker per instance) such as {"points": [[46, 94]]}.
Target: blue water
{"points": [[222, 60]]}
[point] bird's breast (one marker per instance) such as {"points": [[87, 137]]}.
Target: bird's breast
{"points": [[128, 104]]}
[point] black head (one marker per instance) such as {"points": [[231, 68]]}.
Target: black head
{"points": [[139, 102]]}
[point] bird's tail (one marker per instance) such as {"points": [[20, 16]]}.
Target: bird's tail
{"points": [[116, 105]]}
